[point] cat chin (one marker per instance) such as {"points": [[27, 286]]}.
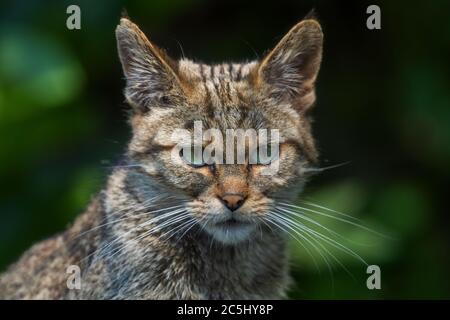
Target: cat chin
{"points": [[231, 234]]}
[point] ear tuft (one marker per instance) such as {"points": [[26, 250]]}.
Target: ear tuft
{"points": [[124, 14], [311, 15], [289, 71]]}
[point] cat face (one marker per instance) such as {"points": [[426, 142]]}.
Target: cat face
{"points": [[229, 199]]}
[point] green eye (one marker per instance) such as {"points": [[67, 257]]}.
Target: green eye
{"points": [[190, 157]]}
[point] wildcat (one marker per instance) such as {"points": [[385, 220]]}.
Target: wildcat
{"points": [[179, 230]]}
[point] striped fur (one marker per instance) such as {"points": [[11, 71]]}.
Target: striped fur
{"points": [[123, 243]]}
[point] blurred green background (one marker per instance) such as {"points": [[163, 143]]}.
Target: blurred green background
{"points": [[383, 104]]}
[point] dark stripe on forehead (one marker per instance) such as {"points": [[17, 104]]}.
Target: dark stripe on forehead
{"points": [[208, 101], [228, 90], [202, 72], [238, 73], [213, 80], [209, 108]]}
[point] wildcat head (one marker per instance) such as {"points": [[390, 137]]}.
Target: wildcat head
{"points": [[230, 200]]}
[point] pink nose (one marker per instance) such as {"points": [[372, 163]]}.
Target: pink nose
{"points": [[233, 201]]}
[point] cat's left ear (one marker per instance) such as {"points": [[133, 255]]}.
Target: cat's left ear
{"points": [[151, 75], [289, 71]]}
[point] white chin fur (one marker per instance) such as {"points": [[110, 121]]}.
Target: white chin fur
{"points": [[230, 235]]}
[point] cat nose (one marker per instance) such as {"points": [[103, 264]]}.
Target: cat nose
{"points": [[233, 201]]}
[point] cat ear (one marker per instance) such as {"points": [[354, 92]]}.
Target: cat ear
{"points": [[289, 71], [150, 73]]}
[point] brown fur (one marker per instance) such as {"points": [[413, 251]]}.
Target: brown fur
{"points": [[121, 244]]}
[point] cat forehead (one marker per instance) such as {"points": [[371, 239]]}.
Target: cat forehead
{"points": [[221, 93], [232, 72]]}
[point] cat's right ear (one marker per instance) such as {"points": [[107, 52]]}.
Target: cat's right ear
{"points": [[290, 70], [150, 73]]}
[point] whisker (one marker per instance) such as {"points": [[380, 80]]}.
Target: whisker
{"points": [[298, 225], [152, 220], [189, 227], [171, 221], [277, 224], [309, 203], [127, 166], [128, 216], [335, 244], [298, 231], [320, 169], [336, 218], [268, 225], [317, 206], [137, 207], [302, 216]]}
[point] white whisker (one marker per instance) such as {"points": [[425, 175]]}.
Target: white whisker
{"points": [[302, 216], [276, 223], [152, 220], [336, 218], [167, 223], [129, 215], [320, 169], [296, 224]]}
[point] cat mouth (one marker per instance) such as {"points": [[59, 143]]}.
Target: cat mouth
{"points": [[231, 230], [232, 223]]}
